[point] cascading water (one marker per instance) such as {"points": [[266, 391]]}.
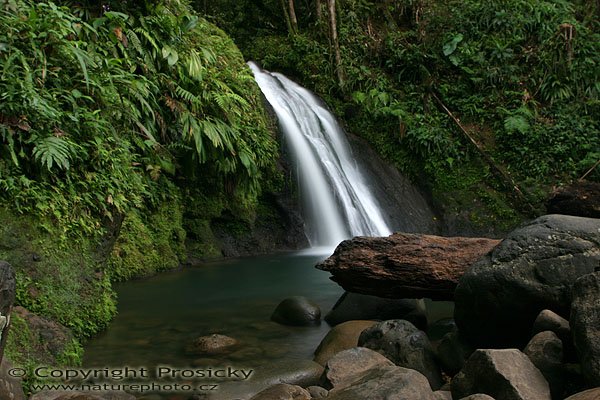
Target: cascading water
{"points": [[337, 202]]}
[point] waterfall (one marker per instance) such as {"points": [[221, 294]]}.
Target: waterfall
{"points": [[337, 202]]}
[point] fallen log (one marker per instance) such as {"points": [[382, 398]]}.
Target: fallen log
{"points": [[405, 265]]}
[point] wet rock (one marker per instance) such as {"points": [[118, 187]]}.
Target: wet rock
{"points": [[545, 350], [283, 391], [591, 394], [385, 383], [585, 325], [348, 366], [297, 311], [317, 392], [453, 351], [405, 265], [212, 345], [478, 396], [581, 199], [355, 306], [503, 374], [341, 337], [405, 345], [10, 388], [533, 269]]}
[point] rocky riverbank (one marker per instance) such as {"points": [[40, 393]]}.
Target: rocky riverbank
{"points": [[527, 324]]}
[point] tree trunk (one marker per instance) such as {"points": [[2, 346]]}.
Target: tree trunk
{"points": [[286, 16], [319, 10], [335, 41], [405, 265], [293, 19]]}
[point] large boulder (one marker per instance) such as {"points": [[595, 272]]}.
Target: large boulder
{"points": [[585, 325], [297, 311], [341, 337], [350, 365], [405, 345], [503, 374], [404, 265], [534, 268], [355, 306], [387, 383]]}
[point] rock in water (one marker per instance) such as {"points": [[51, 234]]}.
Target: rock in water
{"points": [[503, 374], [297, 311], [534, 268], [405, 345], [585, 325], [404, 265], [341, 337], [211, 344]]}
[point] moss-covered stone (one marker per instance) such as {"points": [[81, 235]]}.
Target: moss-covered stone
{"points": [[56, 277], [149, 243]]}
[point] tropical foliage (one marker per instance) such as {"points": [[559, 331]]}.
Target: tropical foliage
{"points": [[144, 97], [114, 117], [520, 76]]}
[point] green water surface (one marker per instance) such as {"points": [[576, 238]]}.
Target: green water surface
{"points": [[159, 316]]}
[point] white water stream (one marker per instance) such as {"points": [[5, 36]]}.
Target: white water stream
{"points": [[337, 202]]}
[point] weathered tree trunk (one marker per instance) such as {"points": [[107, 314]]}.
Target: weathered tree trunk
{"points": [[335, 41], [293, 19], [405, 265]]}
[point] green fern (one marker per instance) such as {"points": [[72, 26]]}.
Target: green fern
{"points": [[53, 151]]}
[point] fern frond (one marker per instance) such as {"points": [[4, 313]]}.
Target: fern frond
{"points": [[53, 151]]}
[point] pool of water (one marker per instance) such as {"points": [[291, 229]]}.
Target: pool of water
{"points": [[159, 316]]}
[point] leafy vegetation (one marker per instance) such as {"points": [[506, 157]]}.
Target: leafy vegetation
{"points": [[111, 115], [520, 76]]}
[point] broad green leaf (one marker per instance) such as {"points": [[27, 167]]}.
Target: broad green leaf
{"points": [[450, 46]]}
